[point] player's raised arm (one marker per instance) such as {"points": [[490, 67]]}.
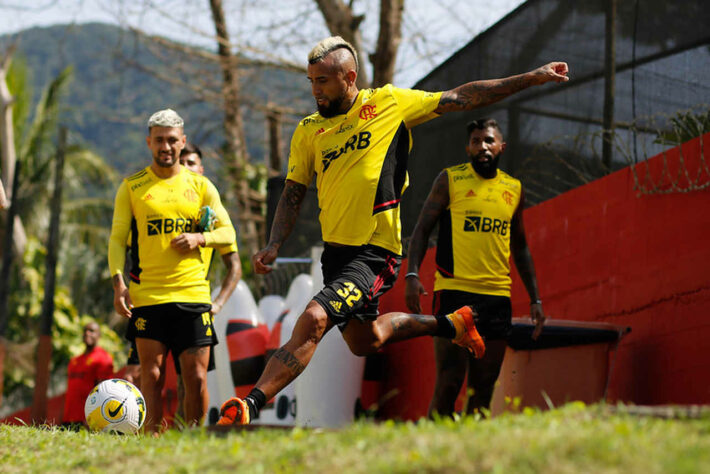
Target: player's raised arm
{"points": [[287, 212], [477, 94]]}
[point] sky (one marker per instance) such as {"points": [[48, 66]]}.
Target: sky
{"points": [[432, 30]]}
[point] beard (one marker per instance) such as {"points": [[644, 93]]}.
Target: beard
{"points": [[333, 107], [486, 169], [164, 163]]}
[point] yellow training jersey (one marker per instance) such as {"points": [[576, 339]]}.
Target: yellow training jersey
{"points": [[360, 162], [473, 250], [155, 211], [207, 252]]}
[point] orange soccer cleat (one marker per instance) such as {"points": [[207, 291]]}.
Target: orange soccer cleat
{"points": [[466, 334], [234, 411]]}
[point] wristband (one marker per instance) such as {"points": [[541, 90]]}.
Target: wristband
{"points": [[538, 301], [412, 274]]}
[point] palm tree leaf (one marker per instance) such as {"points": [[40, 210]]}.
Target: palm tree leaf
{"points": [[46, 116]]}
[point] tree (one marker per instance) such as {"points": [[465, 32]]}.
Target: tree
{"points": [[235, 150], [238, 61], [342, 21], [7, 147], [44, 352], [19, 289]]}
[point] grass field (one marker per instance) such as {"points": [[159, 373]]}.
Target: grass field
{"points": [[572, 439]]}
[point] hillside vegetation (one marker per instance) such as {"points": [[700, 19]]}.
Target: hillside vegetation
{"points": [[116, 87]]}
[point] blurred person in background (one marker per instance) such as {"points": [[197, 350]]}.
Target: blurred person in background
{"points": [[84, 372]]}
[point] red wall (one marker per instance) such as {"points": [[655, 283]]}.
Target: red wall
{"points": [[605, 253]]}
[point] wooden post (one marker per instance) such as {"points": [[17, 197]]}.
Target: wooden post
{"points": [[273, 118], [609, 78], [44, 351]]}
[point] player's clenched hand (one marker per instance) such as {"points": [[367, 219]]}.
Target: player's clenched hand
{"points": [[413, 290], [552, 72], [122, 302], [187, 242], [216, 308], [538, 317], [264, 258]]}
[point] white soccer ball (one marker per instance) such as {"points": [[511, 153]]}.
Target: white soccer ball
{"points": [[115, 405]]}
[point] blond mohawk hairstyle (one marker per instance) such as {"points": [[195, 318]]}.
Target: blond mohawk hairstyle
{"points": [[327, 46], [165, 118]]}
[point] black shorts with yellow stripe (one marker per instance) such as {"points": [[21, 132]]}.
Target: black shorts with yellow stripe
{"points": [[177, 325], [354, 279]]}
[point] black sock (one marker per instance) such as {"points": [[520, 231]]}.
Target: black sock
{"points": [[256, 401], [445, 327]]}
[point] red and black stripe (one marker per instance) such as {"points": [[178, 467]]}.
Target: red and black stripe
{"points": [[393, 173], [135, 272], [445, 246]]}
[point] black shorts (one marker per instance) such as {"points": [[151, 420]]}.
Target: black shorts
{"points": [[133, 354], [495, 313], [210, 364], [354, 279], [133, 358], [177, 325]]}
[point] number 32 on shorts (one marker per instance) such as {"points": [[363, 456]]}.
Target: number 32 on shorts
{"points": [[350, 293]]}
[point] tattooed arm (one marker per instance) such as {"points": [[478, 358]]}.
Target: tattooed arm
{"points": [[524, 264], [286, 213], [482, 93], [435, 204], [229, 282]]}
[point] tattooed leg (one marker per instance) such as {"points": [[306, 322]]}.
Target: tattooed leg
{"points": [[365, 338], [291, 359], [406, 326]]}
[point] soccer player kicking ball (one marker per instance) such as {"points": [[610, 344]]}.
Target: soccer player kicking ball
{"points": [[357, 145]]}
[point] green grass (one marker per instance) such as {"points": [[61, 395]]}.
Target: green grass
{"points": [[571, 439]]}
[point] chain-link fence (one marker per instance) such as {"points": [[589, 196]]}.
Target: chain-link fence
{"points": [[638, 77]]}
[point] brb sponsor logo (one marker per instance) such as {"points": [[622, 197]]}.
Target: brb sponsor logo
{"points": [[359, 141], [486, 224], [169, 226]]}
